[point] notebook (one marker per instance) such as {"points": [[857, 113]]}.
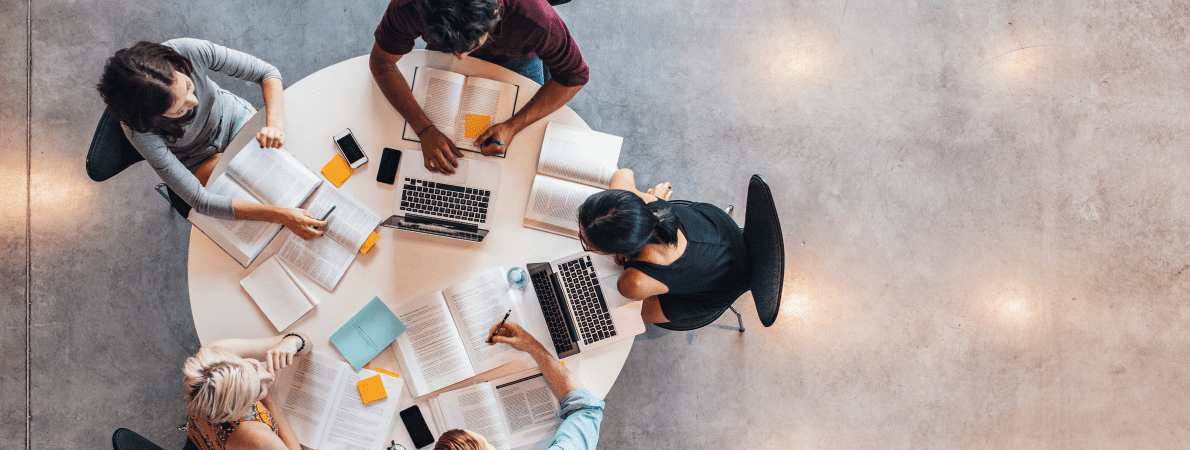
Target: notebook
{"points": [[278, 293]]}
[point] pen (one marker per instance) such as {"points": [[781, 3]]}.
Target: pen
{"points": [[493, 141], [501, 327], [328, 213]]}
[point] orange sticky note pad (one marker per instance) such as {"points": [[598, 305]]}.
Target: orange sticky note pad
{"points": [[391, 374], [337, 170], [476, 125], [369, 243], [371, 389]]}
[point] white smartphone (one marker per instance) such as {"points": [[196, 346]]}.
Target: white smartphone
{"points": [[350, 149]]}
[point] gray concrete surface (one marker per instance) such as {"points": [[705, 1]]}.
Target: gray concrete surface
{"points": [[983, 205]]}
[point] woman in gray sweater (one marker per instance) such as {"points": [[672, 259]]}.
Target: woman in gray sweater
{"points": [[181, 121]]}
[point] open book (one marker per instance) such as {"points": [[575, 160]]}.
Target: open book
{"points": [[321, 401], [326, 259], [509, 412], [278, 293], [263, 175], [446, 338], [574, 164], [461, 107]]}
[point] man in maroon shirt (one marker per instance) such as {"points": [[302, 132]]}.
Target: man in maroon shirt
{"points": [[505, 32]]}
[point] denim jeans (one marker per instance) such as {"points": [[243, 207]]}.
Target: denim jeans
{"points": [[532, 69]]}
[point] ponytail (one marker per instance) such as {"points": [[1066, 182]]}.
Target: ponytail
{"points": [[619, 222]]}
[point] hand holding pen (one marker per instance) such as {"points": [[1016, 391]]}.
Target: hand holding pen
{"points": [[499, 327]]}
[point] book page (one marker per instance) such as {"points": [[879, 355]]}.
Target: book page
{"points": [[553, 205], [430, 350], [275, 176], [582, 156], [306, 391], [355, 425], [529, 406], [475, 408], [483, 97], [277, 295], [476, 305], [247, 233], [349, 224], [438, 92], [321, 259]]}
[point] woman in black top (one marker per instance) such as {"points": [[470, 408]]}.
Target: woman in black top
{"points": [[683, 261]]}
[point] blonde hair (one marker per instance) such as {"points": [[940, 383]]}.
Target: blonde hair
{"points": [[457, 439], [217, 387]]}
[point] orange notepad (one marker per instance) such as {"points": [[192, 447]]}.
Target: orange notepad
{"points": [[337, 170], [476, 125], [371, 389], [369, 243]]}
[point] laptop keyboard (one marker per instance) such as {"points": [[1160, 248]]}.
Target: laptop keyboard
{"points": [[591, 314], [433, 198], [554, 319]]}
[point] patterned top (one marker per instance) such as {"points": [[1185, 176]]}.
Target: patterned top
{"points": [[212, 436]]}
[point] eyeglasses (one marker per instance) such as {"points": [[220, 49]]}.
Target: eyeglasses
{"points": [[583, 241], [395, 446]]}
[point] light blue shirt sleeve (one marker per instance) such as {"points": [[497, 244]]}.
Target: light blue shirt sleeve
{"points": [[581, 414], [178, 178], [224, 60]]}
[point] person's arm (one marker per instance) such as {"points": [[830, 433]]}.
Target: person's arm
{"points": [[561, 380], [275, 352], [272, 135], [297, 220], [283, 429], [548, 99], [438, 152]]}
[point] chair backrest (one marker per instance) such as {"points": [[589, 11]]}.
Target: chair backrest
{"points": [[125, 439], [766, 250], [110, 151]]}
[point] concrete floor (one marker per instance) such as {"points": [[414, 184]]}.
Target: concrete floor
{"points": [[984, 210]]}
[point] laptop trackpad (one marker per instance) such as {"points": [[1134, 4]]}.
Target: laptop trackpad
{"points": [[612, 294], [460, 175]]}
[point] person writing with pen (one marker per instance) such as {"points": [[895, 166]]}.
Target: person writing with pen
{"points": [[525, 36], [580, 411]]}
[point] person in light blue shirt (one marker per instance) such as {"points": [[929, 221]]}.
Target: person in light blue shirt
{"points": [[580, 411]]}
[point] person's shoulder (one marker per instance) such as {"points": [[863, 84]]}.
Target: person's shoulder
{"points": [[538, 12], [251, 434], [409, 5]]}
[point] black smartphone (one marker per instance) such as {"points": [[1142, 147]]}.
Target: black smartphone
{"points": [[389, 162], [415, 424]]}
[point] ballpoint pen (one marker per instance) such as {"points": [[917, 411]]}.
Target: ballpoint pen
{"points": [[328, 213], [501, 327], [491, 141]]}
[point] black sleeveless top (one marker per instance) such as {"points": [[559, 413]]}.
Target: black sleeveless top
{"points": [[711, 273]]}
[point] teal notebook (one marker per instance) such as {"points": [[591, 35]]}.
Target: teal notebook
{"points": [[368, 332]]}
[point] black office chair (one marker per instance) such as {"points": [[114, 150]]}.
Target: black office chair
{"points": [[111, 153], [125, 439], [766, 261]]}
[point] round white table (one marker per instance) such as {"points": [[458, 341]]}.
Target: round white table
{"points": [[402, 265]]}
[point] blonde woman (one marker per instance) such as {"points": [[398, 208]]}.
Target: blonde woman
{"points": [[227, 385]]}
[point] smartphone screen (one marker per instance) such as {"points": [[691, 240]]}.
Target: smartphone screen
{"points": [[350, 148], [389, 163], [415, 424]]}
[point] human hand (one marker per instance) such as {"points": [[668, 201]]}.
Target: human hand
{"points": [[439, 153], [662, 191], [271, 137], [301, 223], [513, 335], [502, 132], [281, 355]]}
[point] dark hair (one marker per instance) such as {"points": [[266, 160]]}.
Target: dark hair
{"points": [[456, 439], [136, 86], [457, 25], [618, 221]]}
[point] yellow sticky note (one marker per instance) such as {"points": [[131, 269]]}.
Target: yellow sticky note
{"points": [[337, 170], [476, 125], [391, 374], [369, 243], [371, 389]]}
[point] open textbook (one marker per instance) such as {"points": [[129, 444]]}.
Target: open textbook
{"points": [[327, 258], [321, 401], [509, 412], [461, 107], [446, 338], [269, 176], [574, 164], [278, 293]]}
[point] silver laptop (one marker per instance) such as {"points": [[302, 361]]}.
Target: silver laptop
{"points": [[582, 311], [456, 206]]}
